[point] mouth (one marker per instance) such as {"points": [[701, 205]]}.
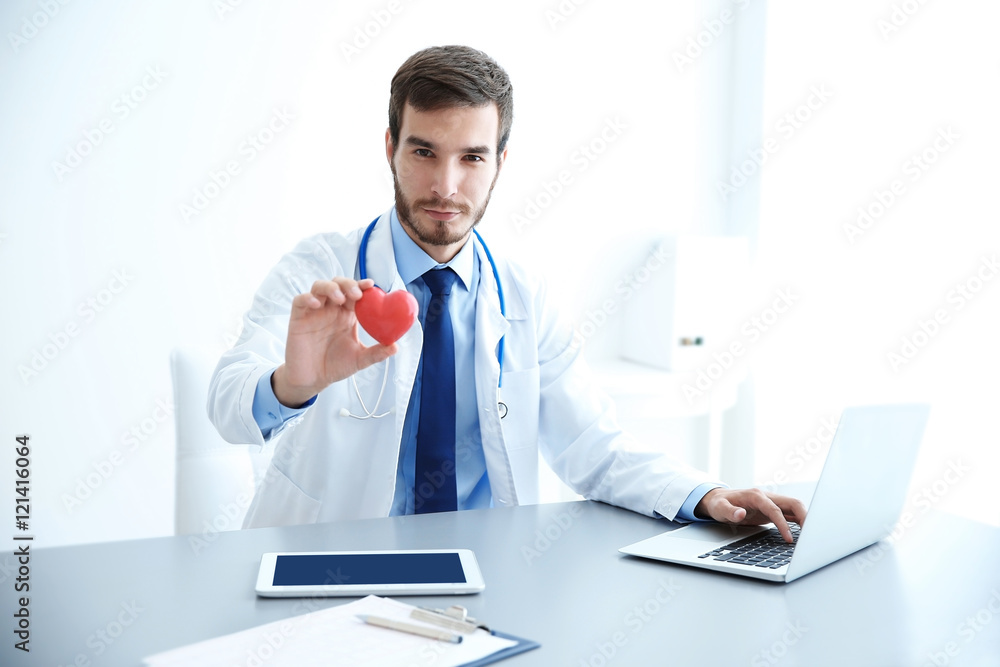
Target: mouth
{"points": [[442, 215]]}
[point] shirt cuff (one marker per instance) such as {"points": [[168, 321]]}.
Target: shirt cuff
{"points": [[268, 411], [686, 513]]}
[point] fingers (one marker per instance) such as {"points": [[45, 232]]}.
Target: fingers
{"points": [[305, 301], [778, 519], [341, 291], [792, 508], [727, 512], [338, 291], [375, 354], [782, 509], [753, 505], [759, 503]]}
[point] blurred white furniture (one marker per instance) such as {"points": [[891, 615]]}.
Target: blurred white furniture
{"points": [[675, 387], [215, 480], [683, 299], [714, 433], [671, 391]]}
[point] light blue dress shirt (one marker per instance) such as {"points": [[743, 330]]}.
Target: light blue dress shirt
{"points": [[472, 480]]}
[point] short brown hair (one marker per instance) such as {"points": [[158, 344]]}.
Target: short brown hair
{"points": [[451, 76]]}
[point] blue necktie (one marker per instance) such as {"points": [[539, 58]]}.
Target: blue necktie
{"points": [[434, 485]]}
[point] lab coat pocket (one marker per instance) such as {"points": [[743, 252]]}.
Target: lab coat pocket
{"points": [[280, 502], [520, 394]]}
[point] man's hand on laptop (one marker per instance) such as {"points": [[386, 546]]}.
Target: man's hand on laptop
{"points": [[751, 507]]}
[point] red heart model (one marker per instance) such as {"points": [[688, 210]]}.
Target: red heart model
{"points": [[386, 317]]}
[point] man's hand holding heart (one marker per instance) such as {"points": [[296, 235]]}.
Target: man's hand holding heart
{"points": [[323, 345]]}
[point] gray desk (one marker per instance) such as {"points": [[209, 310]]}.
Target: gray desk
{"points": [[553, 574]]}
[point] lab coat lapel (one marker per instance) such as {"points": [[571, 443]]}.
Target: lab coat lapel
{"points": [[491, 325]]}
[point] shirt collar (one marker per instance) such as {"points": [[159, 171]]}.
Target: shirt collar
{"points": [[412, 262]]}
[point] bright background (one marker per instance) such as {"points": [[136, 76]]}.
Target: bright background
{"points": [[683, 127]]}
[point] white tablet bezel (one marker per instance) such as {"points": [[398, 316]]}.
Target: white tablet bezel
{"points": [[265, 576]]}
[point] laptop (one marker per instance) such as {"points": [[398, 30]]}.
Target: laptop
{"points": [[858, 499]]}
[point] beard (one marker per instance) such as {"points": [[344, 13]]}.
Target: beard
{"points": [[434, 232]]}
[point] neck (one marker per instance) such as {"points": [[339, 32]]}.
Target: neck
{"points": [[442, 254]]}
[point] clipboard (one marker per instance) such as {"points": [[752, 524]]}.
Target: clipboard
{"points": [[456, 617], [522, 646], [336, 635]]}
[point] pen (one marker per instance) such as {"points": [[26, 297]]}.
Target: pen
{"points": [[444, 620], [391, 624]]}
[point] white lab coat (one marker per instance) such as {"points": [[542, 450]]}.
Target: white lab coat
{"points": [[330, 467]]}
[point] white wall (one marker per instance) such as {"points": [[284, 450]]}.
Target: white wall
{"points": [[899, 75]]}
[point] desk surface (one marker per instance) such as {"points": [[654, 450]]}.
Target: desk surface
{"points": [[553, 574]]}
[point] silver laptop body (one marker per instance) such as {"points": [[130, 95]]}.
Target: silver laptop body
{"points": [[859, 496]]}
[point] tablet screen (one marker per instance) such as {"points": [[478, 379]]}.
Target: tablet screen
{"points": [[367, 569]]}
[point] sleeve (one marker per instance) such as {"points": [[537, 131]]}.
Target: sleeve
{"points": [[261, 346], [686, 513], [581, 440], [268, 411]]}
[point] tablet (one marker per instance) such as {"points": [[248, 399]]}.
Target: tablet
{"points": [[343, 573]]}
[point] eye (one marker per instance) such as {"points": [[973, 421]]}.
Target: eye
{"points": [[474, 158], [423, 152]]}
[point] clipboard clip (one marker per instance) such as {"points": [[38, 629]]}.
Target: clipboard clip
{"points": [[455, 617]]}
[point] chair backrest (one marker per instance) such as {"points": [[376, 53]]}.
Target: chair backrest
{"points": [[215, 480]]}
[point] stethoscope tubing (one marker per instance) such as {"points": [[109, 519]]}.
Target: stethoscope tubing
{"points": [[363, 273]]}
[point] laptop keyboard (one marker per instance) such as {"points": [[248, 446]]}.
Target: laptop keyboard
{"points": [[766, 550]]}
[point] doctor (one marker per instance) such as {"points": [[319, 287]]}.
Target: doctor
{"points": [[454, 414]]}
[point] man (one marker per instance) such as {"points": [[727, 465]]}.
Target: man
{"points": [[459, 433]]}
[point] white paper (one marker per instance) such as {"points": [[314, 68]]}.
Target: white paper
{"points": [[334, 636]]}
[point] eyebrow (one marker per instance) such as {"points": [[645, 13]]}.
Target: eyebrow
{"points": [[423, 143]]}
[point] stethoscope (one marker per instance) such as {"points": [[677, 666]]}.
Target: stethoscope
{"points": [[363, 273]]}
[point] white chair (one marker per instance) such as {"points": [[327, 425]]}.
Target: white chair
{"points": [[215, 480]]}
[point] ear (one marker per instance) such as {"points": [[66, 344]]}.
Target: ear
{"points": [[389, 148], [501, 160]]}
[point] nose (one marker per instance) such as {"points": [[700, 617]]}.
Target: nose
{"points": [[445, 185]]}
